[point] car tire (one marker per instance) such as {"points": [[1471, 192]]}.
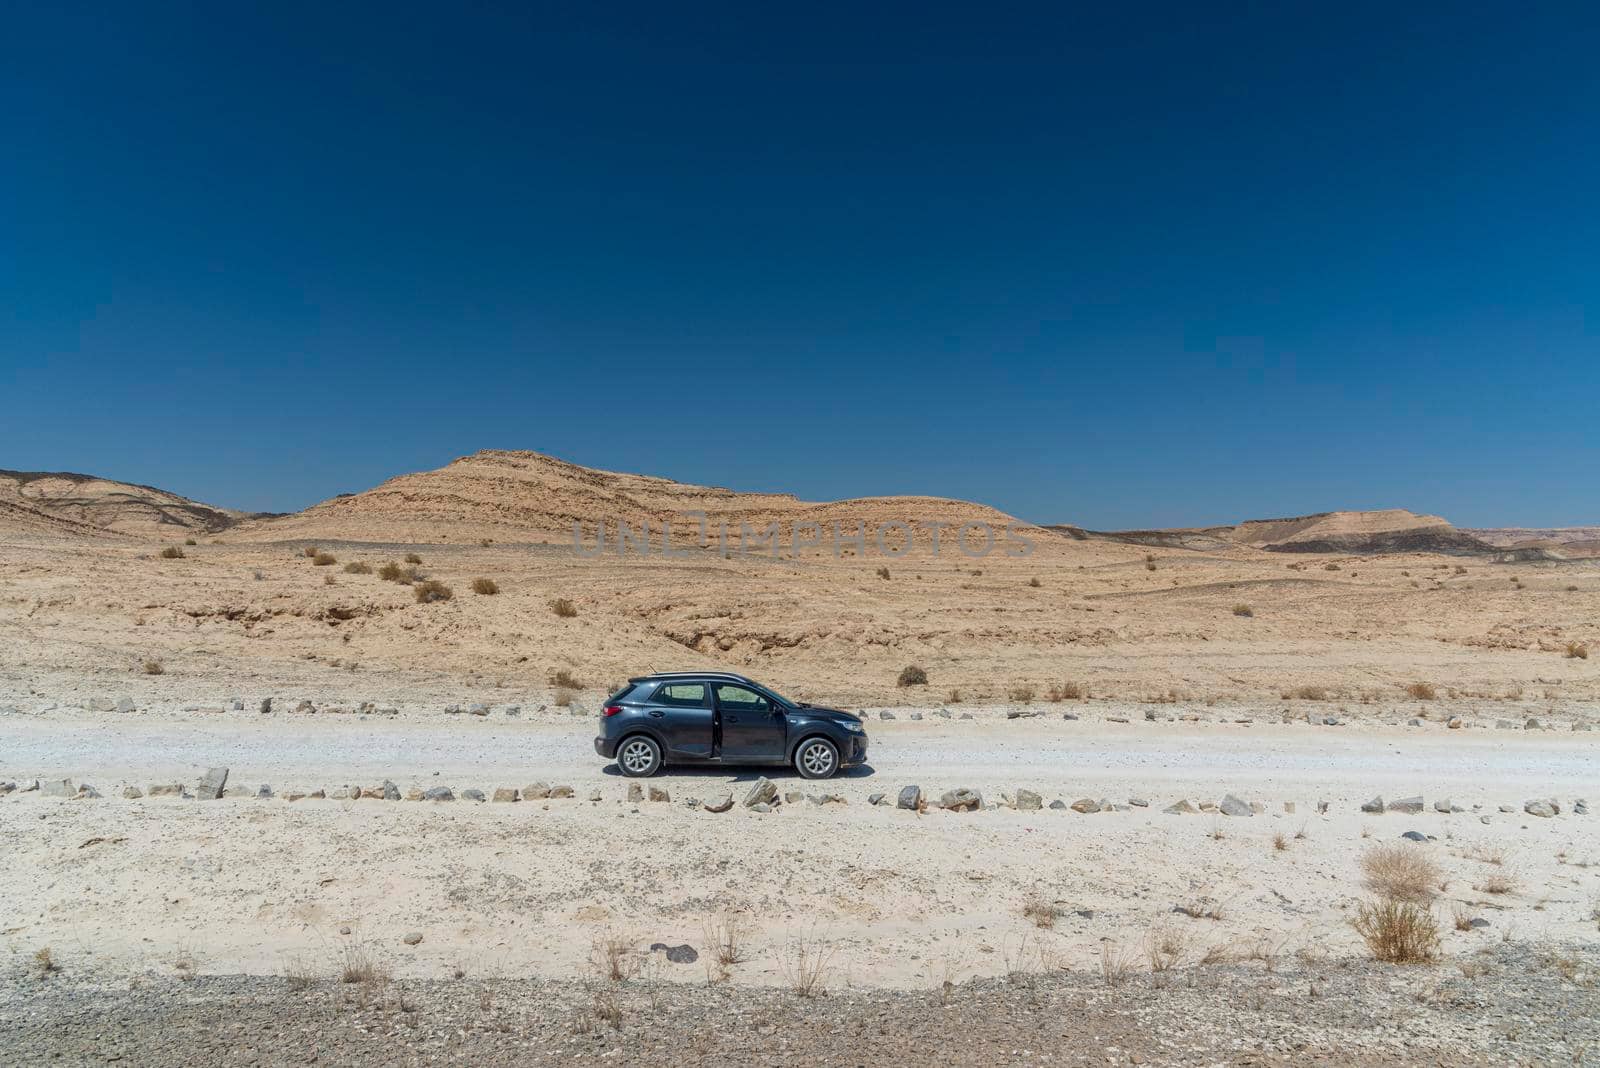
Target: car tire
{"points": [[639, 757], [817, 758]]}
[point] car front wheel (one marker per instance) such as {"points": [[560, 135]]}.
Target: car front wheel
{"points": [[639, 757], [817, 759]]}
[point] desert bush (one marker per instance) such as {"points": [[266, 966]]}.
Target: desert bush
{"points": [[297, 974], [883, 572], [724, 938], [390, 572], [356, 567], [565, 678], [1116, 964], [153, 667], [1035, 583], [484, 543], [1065, 691], [1165, 946], [1150, 565], [1398, 932], [614, 957], [329, 580], [43, 962], [358, 965], [1040, 911], [172, 552], [1401, 872], [323, 560], [413, 558], [1330, 567], [953, 697], [1422, 691], [190, 541], [1021, 693], [1500, 881], [311, 551], [806, 966], [563, 697], [1280, 842], [912, 675], [563, 608], [1309, 693], [1243, 610], [485, 586], [430, 591], [1577, 651]]}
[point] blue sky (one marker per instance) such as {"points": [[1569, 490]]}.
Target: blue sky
{"points": [[1155, 267]]}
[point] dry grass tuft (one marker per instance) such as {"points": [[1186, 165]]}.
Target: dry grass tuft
{"points": [[430, 591], [311, 551], [1065, 691], [1022, 694], [358, 965], [1463, 918], [1040, 911], [153, 667], [356, 567], [390, 572], [1401, 872], [172, 552], [806, 966], [1499, 881], [1280, 842], [883, 573], [485, 586], [1165, 946], [614, 957], [1116, 964], [724, 938], [566, 679], [1035, 583], [563, 607], [297, 974], [43, 962], [563, 698], [912, 675], [413, 558], [1398, 932], [324, 560], [1309, 693], [1243, 610], [1422, 691]]}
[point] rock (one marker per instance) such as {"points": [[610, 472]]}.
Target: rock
{"points": [[87, 792], [125, 705], [1288, 808], [1478, 922], [886, 714], [264, 792], [961, 800], [504, 794], [1456, 723], [538, 791], [825, 799], [166, 790], [1542, 809], [479, 710], [763, 792], [1179, 808], [305, 706], [1069, 716], [965, 715], [1413, 722], [635, 793], [1532, 724], [266, 705], [1415, 836], [720, 806], [793, 797], [1409, 805], [916, 716], [132, 793], [212, 783], [1508, 808], [438, 793], [684, 954], [412, 938], [942, 713], [472, 795], [761, 807], [391, 792], [1085, 805], [1442, 806], [57, 788], [1580, 807], [237, 704], [594, 795], [294, 795], [875, 799], [513, 710], [1233, 806], [1021, 713], [910, 798], [1375, 805], [415, 794], [1504, 725], [1058, 805], [1322, 807], [659, 793], [1028, 801], [557, 792], [1139, 802]]}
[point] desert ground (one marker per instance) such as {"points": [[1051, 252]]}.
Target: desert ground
{"points": [[1271, 680]]}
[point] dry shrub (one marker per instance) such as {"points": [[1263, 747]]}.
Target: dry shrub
{"points": [[883, 573], [356, 567], [153, 667], [614, 957], [563, 608], [724, 938], [1021, 694], [1040, 911], [566, 679], [297, 974], [1330, 567], [413, 558], [953, 697], [390, 572], [1401, 872], [1243, 610], [1280, 842], [485, 586], [484, 543], [1577, 651], [329, 580], [430, 591], [323, 560], [190, 541], [1150, 565], [1165, 946], [1116, 964], [1398, 932], [1035, 583], [358, 965], [1422, 691], [1309, 693], [1463, 918], [172, 552], [912, 675], [806, 966], [311, 551], [1201, 908], [563, 698], [1065, 691], [1500, 881], [43, 962]]}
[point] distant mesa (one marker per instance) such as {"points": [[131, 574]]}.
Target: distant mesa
{"points": [[63, 502], [1392, 530]]}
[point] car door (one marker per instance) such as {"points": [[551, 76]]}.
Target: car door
{"points": [[753, 728], [683, 714]]}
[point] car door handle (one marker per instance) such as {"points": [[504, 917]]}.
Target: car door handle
{"points": [[656, 712], [733, 719]]}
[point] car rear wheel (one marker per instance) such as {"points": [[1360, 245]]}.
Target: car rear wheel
{"points": [[639, 757], [816, 758]]}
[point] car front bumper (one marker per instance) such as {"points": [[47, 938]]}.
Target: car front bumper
{"points": [[856, 753]]}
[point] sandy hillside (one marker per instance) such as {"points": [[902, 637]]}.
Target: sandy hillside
{"points": [[83, 505]]}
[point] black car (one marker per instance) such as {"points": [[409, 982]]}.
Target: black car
{"points": [[713, 717]]}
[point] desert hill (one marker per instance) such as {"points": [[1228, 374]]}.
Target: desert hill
{"points": [[61, 502], [527, 496], [1568, 541], [1392, 530]]}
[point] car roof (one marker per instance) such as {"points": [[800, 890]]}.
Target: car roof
{"points": [[661, 676]]}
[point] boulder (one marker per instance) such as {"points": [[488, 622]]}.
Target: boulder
{"points": [[910, 798], [438, 793], [391, 792], [1375, 805], [538, 791], [942, 713], [266, 705], [720, 806], [916, 716], [886, 715], [763, 792], [1028, 801], [57, 788], [1542, 809], [560, 791], [761, 807], [1233, 806], [1409, 805], [1415, 836], [1021, 713], [87, 792], [264, 792], [505, 793], [961, 800], [472, 795], [412, 938], [132, 792], [1058, 805], [1580, 807], [415, 794], [875, 799], [1086, 805], [125, 705], [793, 797], [1139, 802], [1179, 808], [212, 783]]}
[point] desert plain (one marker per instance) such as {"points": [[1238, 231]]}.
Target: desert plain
{"points": [[1131, 797]]}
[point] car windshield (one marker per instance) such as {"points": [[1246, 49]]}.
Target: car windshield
{"points": [[778, 697]]}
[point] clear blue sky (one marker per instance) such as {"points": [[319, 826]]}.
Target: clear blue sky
{"points": [[1161, 267]]}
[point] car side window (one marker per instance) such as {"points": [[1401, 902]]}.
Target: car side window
{"points": [[740, 699], [682, 694]]}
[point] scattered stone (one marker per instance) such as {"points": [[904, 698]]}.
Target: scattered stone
{"points": [[479, 710], [1086, 805], [505, 793], [961, 800], [965, 715], [1478, 921], [125, 705], [1179, 808], [942, 713], [825, 799], [635, 793], [684, 954], [560, 791], [886, 714], [910, 798], [1059, 805], [1456, 723], [1413, 722], [1504, 725], [761, 807], [793, 797], [294, 795], [720, 806], [264, 792], [412, 938], [305, 706], [916, 716], [438, 793], [415, 794], [1069, 715], [1409, 805], [1580, 807], [472, 795], [57, 788], [538, 791], [166, 790], [1322, 807], [1532, 724], [594, 795], [1508, 808], [763, 792], [87, 792], [1288, 808], [1375, 805], [212, 783], [1542, 809], [132, 793], [875, 799], [1021, 713], [266, 705], [1028, 801], [1416, 836], [1233, 806], [659, 793], [513, 710], [237, 704]]}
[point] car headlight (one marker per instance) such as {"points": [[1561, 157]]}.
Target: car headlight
{"points": [[855, 728]]}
